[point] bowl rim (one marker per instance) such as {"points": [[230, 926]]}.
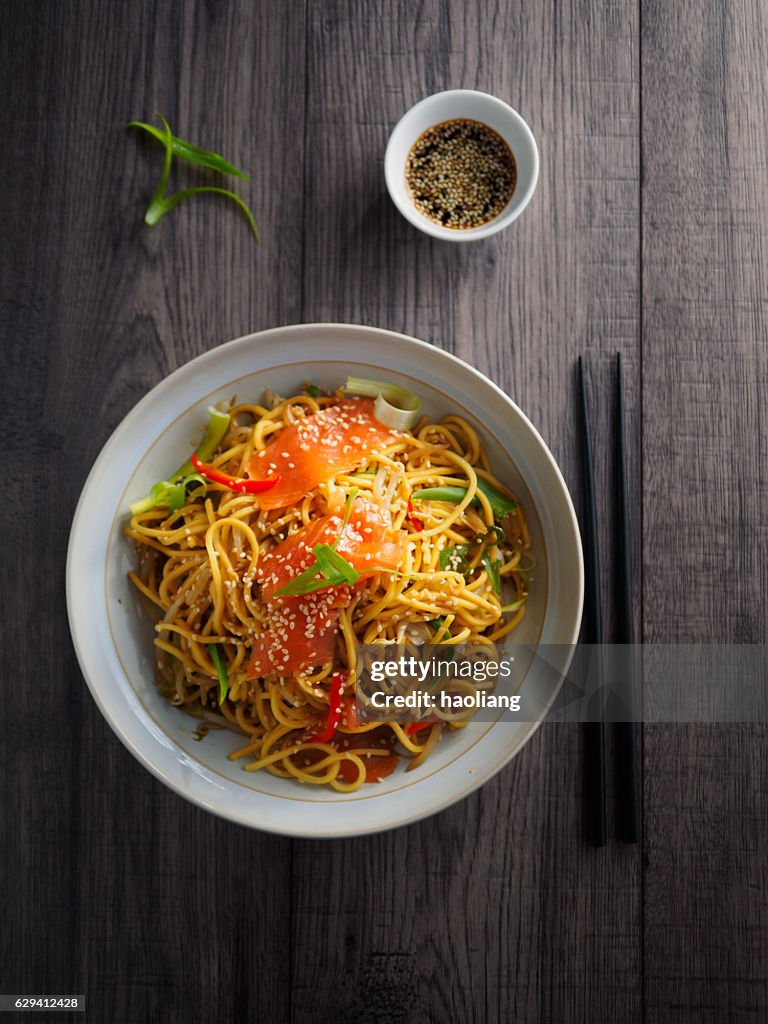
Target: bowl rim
{"points": [[392, 168], [77, 539]]}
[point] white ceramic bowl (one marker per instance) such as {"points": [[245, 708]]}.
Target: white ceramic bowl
{"points": [[447, 106], [113, 637]]}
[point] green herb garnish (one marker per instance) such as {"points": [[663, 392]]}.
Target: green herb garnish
{"points": [[221, 672], [161, 204], [174, 495], [438, 628], [347, 514], [164, 492], [192, 154], [496, 530], [454, 559], [493, 567], [500, 504], [333, 568]]}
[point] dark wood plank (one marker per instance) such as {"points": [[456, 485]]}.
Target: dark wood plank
{"points": [[111, 885], [705, 382], [494, 910]]}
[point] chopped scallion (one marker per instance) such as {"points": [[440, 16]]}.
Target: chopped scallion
{"points": [[192, 154], [395, 407], [160, 204], [221, 672], [493, 567], [162, 493], [500, 504], [454, 559]]}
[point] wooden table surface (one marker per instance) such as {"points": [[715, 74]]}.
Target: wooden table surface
{"points": [[647, 234]]}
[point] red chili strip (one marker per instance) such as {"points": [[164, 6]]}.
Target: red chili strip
{"points": [[334, 708], [414, 727], [234, 483], [411, 517]]}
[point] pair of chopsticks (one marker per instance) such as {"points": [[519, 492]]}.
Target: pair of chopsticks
{"points": [[625, 732]]}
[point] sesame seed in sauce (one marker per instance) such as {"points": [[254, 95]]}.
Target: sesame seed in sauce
{"points": [[460, 173]]}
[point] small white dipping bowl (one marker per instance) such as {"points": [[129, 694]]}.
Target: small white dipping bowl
{"points": [[448, 106]]}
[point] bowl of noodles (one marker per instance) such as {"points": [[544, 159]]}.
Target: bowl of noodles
{"points": [[274, 507]]}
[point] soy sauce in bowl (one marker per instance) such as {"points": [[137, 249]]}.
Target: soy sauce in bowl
{"points": [[460, 173]]}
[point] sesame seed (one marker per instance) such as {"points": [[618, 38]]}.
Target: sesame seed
{"points": [[460, 173]]}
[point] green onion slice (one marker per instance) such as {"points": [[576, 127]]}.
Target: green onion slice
{"points": [[347, 512], [160, 204], [500, 504], [192, 154], [334, 566], [454, 559], [162, 493], [221, 672], [395, 407], [174, 495], [493, 567], [438, 627]]}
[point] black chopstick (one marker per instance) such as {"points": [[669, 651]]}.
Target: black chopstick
{"points": [[625, 732], [594, 728]]}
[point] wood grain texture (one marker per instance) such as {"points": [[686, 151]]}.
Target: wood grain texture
{"points": [[494, 910], [705, 381], [111, 885], [463, 916]]}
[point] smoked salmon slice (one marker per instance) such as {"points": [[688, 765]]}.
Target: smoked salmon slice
{"points": [[302, 633], [367, 542], [302, 628], [311, 450]]}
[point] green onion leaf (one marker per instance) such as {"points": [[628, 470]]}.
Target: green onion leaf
{"points": [[334, 566], [192, 154], [500, 504], [500, 536], [306, 583], [493, 567], [438, 627], [454, 559], [221, 672], [347, 512], [515, 606], [218, 425], [156, 203], [182, 492], [312, 389], [160, 204], [159, 207], [173, 495]]}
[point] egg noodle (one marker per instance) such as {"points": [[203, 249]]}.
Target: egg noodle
{"points": [[198, 570]]}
